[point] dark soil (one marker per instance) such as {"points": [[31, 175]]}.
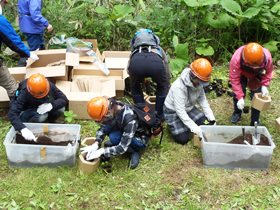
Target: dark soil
{"points": [[41, 140], [248, 137]]}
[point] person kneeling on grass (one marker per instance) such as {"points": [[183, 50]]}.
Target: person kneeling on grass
{"points": [[121, 124], [180, 111], [36, 100]]}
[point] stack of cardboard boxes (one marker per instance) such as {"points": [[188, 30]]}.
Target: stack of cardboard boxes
{"points": [[79, 77]]}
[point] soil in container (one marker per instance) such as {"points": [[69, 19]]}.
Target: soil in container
{"points": [[50, 138], [248, 137]]}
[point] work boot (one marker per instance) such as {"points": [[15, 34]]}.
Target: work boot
{"points": [[108, 144], [134, 160], [235, 118]]}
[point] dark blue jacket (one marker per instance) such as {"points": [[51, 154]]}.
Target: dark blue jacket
{"points": [[9, 37], [24, 100], [30, 18]]}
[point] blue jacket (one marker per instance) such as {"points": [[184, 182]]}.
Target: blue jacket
{"points": [[30, 18], [24, 100], [9, 37]]}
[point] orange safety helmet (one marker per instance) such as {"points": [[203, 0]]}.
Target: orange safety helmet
{"points": [[202, 69], [253, 54], [97, 108], [38, 86]]}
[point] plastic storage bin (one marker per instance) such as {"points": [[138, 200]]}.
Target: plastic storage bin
{"points": [[26, 155], [216, 152]]}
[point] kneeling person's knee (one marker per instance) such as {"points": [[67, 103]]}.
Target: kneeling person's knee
{"points": [[182, 138]]}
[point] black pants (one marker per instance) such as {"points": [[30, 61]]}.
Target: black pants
{"points": [[148, 64], [255, 114]]}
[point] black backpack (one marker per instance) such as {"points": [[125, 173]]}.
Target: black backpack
{"points": [[147, 118], [144, 37]]}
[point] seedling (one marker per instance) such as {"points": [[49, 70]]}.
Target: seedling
{"points": [[69, 116]]}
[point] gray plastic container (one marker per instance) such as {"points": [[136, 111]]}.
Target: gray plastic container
{"points": [[26, 155], [216, 152]]}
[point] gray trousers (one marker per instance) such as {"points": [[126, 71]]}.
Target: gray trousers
{"points": [[7, 81]]}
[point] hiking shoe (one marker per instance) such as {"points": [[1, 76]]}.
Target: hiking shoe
{"points": [[108, 144], [134, 160], [235, 118]]}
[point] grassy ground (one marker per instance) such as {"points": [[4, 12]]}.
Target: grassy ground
{"points": [[170, 176]]}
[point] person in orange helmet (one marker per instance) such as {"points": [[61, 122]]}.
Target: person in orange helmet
{"points": [[120, 123], [36, 100], [250, 66], [180, 110]]}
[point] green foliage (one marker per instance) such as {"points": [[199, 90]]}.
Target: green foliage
{"points": [[203, 48], [181, 57], [69, 116], [226, 24]]}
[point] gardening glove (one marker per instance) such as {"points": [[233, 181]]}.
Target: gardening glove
{"points": [[50, 28], [240, 104], [212, 122], [264, 91], [27, 134], [197, 130], [211, 119], [90, 148], [34, 56], [95, 154], [44, 108]]}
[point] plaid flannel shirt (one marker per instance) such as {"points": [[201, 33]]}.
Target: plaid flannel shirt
{"points": [[119, 123]]}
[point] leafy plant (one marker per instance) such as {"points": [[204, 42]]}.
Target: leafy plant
{"points": [[203, 47], [69, 116], [181, 57]]}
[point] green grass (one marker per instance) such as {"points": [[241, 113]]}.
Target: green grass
{"points": [[170, 176]]}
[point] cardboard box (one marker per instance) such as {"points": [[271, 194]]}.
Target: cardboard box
{"points": [[90, 59], [88, 167], [18, 73], [151, 102], [58, 61], [78, 99], [278, 123], [85, 166], [4, 98], [196, 141], [261, 103], [87, 141], [116, 59], [119, 81]]}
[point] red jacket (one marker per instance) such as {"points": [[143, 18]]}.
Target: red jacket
{"points": [[236, 72]]}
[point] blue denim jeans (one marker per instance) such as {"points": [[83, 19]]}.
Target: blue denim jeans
{"points": [[35, 41], [136, 143], [31, 115]]}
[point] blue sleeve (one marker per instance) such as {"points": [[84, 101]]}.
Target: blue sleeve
{"points": [[35, 9], [9, 36]]}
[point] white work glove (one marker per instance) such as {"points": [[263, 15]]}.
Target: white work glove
{"points": [[27, 134], [264, 91], [240, 104], [95, 154], [34, 56], [197, 130], [44, 108], [50, 28], [91, 148]]}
